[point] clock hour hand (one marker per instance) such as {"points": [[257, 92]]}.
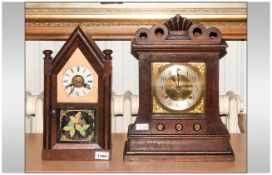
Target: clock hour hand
{"points": [[174, 80], [69, 85], [85, 85], [72, 90]]}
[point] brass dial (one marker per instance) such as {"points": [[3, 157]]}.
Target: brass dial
{"points": [[178, 87]]}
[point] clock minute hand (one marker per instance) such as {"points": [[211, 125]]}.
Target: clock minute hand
{"points": [[174, 81], [72, 90], [178, 86]]}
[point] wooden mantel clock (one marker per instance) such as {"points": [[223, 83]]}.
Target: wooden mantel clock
{"points": [[178, 118], [77, 96]]}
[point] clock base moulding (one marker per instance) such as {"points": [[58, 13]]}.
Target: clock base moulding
{"points": [[178, 156], [150, 145], [72, 155], [202, 147]]}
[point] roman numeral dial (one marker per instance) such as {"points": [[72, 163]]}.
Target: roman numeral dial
{"points": [[77, 81], [178, 87]]}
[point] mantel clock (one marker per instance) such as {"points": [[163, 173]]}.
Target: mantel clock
{"points": [[77, 96], [178, 118]]}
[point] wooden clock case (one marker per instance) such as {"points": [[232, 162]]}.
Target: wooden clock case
{"points": [[178, 40], [52, 148]]}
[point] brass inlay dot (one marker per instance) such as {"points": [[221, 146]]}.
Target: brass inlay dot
{"points": [[197, 127], [160, 127], [179, 127]]}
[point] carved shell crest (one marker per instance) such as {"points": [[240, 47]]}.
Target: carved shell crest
{"points": [[178, 23]]}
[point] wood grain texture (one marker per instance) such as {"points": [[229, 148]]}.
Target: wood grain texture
{"points": [[34, 162], [55, 21]]}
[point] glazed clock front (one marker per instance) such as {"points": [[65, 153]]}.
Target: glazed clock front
{"points": [[178, 87]]}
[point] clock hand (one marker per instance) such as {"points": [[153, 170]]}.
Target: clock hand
{"points": [[85, 85], [178, 86], [72, 90], [69, 85], [174, 81]]}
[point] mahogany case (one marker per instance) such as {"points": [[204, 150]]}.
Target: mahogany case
{"points": [[178, 40], [53, 149]]}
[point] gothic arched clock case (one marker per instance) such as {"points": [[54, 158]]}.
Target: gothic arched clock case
{"points": [[178, 116], [77, 96]]}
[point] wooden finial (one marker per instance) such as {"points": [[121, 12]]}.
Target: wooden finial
{"points": [[47, 54], [108, 53]]}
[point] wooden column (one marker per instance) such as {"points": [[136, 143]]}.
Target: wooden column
{"points": [[107, 97], [47, 98]]}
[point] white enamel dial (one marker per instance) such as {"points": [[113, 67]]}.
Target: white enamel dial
{"points": [[179, 87], [77, 81]]}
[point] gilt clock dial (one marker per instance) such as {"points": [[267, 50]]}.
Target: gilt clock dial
{"points": [[178, 87], [78, 81]]}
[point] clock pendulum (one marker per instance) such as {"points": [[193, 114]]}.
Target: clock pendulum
{"points": [[178, 118]]}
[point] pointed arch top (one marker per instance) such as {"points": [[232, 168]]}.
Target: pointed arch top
{"points": [[79, 40]]}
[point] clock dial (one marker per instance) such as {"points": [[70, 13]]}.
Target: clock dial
{"points": [[179, 87], [77, 81]]}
